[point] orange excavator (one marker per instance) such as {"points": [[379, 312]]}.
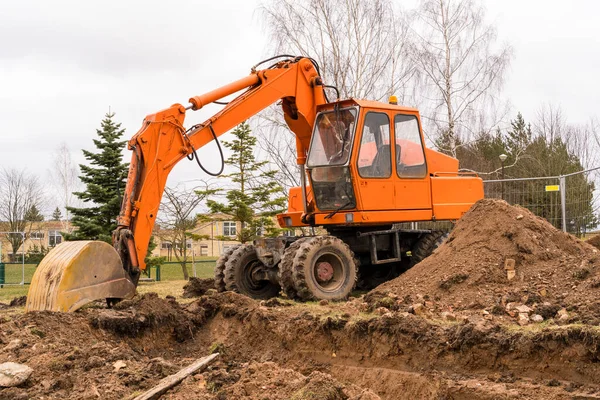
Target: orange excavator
{"points": [[364, 170]]}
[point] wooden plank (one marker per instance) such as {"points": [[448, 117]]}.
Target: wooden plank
{"points": [[173, 380]]}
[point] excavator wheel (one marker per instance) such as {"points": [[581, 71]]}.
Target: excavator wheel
{"points": [[324, 268], [426, 246], [241, 270], [286, 268], [76, 273], [220, 269]]}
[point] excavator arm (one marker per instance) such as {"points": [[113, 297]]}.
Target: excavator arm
{"points": [[76, 273]]}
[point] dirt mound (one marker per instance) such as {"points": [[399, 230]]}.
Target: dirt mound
{"points": [[197, 287], [148, 312], [469, 269], [15, 302], [18, 301], [594, 241]]}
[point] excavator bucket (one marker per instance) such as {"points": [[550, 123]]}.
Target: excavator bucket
{"points": [[76, 273]]}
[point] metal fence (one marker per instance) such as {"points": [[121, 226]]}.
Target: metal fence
{"points": [[13, 273], [569, 202]]}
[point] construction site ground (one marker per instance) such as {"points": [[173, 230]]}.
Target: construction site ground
{"points": [[459, 325]]}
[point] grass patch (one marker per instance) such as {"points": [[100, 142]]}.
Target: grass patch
{"points": [[164, 288], [7, 293], [13, 272], [172, 271]]}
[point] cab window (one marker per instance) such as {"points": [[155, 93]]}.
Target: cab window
{"points": [[410, 157], [374, 156]]}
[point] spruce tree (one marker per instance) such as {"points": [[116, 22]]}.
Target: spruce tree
{"points": [[56, 215], [33, 214], [518, 138], [104, 180], [256, 195]]}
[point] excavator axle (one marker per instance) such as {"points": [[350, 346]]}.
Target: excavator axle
{"points": [[76, 273]]}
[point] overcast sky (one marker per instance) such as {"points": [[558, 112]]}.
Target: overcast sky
{"points": [[64, 63]]}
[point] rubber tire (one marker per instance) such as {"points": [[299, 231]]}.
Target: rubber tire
{"points": [[426, 246], [285, 275], [305, 282], [220, 269], [235, 276]]}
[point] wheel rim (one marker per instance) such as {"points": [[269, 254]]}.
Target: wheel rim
{"points": [[249, 273], [328, 272]]}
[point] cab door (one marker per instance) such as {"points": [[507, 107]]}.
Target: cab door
{"points": [[375, 180], [413, 189]]}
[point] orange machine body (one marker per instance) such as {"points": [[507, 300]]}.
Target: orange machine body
{"points": [[440, 193]]}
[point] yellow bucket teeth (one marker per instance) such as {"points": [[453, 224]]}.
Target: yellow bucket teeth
{"points": [[76, 273]]}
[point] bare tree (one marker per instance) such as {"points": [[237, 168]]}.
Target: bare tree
{"points": [[550, 122], [20, 192], [177, 218], [64, 176], [361, 49], [358, 44], [460, 72]]}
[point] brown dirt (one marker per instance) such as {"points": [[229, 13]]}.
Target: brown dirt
{"points": [[282, 350], [594, 241], [197, 287], [553, 269], [15, 302]]}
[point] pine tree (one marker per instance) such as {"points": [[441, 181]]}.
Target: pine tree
{"points": [[104, 180], [256, 196], [56, 215], [518, 138], [33, 214]]}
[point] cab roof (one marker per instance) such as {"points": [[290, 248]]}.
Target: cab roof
{"points": [[371, 104]]}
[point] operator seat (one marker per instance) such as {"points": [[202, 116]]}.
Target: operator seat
{"points": [[382, 162]]}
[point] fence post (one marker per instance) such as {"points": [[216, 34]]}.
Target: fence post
{"points": [[563, 201]]}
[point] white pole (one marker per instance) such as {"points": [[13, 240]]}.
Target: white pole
{"points": [[193, 264], [23, 260]]}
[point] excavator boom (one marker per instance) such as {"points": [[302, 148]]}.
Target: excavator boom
{"points": [[76, 273]]}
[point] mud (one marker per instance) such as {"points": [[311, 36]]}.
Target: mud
{"points": [[283, 350]]}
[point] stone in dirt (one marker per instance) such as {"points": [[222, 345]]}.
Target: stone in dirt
{"points": [[418, 309], [13, 344], [537, 318], [523, 309], [562, 314], [14, 374], [118, 365], [448, 316], [523, 319]]}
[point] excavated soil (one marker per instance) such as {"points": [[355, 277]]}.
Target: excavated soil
{"points": [[594, 241], [553, 270], [197, 287], [453, 327], [282, 350]]}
